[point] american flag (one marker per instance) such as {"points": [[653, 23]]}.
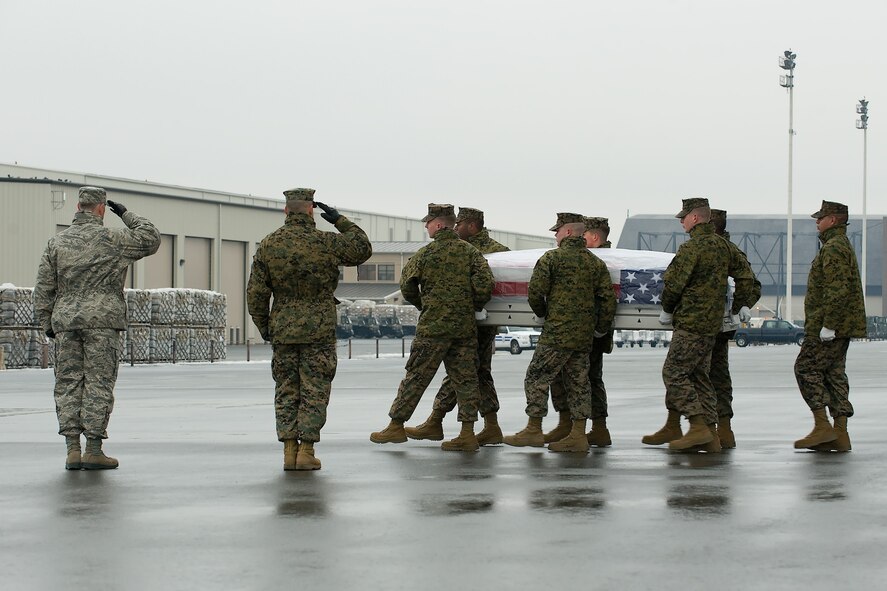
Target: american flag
{"points": [[640, 286]]}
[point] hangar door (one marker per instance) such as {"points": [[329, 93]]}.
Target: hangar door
{"points": [[198, 263], [234, 284]]}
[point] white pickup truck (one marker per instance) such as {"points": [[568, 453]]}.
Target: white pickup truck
{"points": [[517, 338]]}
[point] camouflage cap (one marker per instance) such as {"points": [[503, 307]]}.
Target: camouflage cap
{"points": [[299, 195], [830, 208], [438, 210], [468, 214], [593, 223], [691, 204], [92, 196], [567, 218], [718, 215]]}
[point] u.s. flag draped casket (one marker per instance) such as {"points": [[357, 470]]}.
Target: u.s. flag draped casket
{"points": [[636, 276]]}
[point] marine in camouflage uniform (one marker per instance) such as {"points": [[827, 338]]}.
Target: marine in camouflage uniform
{"points": [[834, 310], [449, 281], [78, 300], [298, 265], [695, 284], [719, 372], [470, 227], [572, 290], [597, 229]]}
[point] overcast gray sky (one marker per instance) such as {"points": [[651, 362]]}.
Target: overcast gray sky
{"points": [[522, 109]]}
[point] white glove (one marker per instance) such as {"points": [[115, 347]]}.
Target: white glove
{"points": [[482, 315], [665, 318], [826, 334], [744, 314]]}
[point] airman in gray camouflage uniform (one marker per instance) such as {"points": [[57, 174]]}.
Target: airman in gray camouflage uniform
{"points": [[78, 300], [834, 311], [469, 227], [298, 265], [719, 373], [597, 230], [695, 284], [449, 281], [572, 290]]}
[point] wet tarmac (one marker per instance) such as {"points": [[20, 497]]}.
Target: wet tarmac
{"points": [[201, 502]]}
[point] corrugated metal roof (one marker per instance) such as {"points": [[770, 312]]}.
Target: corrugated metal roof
{"points": [[397, 247], [367, 291]]}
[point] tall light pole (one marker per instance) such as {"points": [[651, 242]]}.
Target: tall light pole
{"points": [[862, 108], [787, 63]]}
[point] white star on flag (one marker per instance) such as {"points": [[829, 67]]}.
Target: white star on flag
{"points": [[629, 299], [643, 288], [630, 277]]}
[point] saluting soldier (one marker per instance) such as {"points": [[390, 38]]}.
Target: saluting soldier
{"points": [[834, 311], [298, 265], [470, 227], [449, 281], [78, 300], [571, 289]]}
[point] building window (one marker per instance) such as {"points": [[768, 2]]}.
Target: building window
{"points": [[366, 272], [386, 272]]}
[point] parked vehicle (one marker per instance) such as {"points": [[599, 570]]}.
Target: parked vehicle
{"points": [[771, 331], [517, 338], [387, 318], [344, 330]]}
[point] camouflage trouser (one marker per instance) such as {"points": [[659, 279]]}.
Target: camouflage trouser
{"points": [[489, 401], [595, 376], [86, 363], [303, 375], [688, 388], [570, 368], [459, 357], [822, 379], [719, 373]]}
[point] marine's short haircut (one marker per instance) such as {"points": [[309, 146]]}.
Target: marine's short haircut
{"points": [[300, 206], [841, 218], [447, 220], [704, 213], [720, 225], [577, 228]]}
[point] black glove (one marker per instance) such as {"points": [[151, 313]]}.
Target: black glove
{"points": [[330, 214], [50, 333], [117, 208]]}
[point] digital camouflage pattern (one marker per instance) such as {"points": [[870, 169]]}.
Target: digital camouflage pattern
{"points": [[720, 360], [303, 376], [86, 363], [83, 269], [299, 265], [485, 244], [79, 296], [834, 290], [688, 388], [459, 356], [445, 400], [695, 282], [571, 288], [447, 280], [820, 371], [570, 367], [595, 378]]}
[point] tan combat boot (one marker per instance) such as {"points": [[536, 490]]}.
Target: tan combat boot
{"points": [[822, 432], [290, 449], [431, 429], [72, 461], [564, 424], [94, 459], [725, 433], [712, 447], [393, 433], [305, 459], [669, 432], [465, 441], [491, 434], [531, 436], [699, 434], [842, 443], [576, 441], [599, 436]]}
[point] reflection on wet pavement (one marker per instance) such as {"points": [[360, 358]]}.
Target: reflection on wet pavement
{"points": [[698, 500], [568, 499], [450, 505]]}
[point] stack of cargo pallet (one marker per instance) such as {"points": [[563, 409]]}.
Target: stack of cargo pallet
{"points": [[164, 325]]}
